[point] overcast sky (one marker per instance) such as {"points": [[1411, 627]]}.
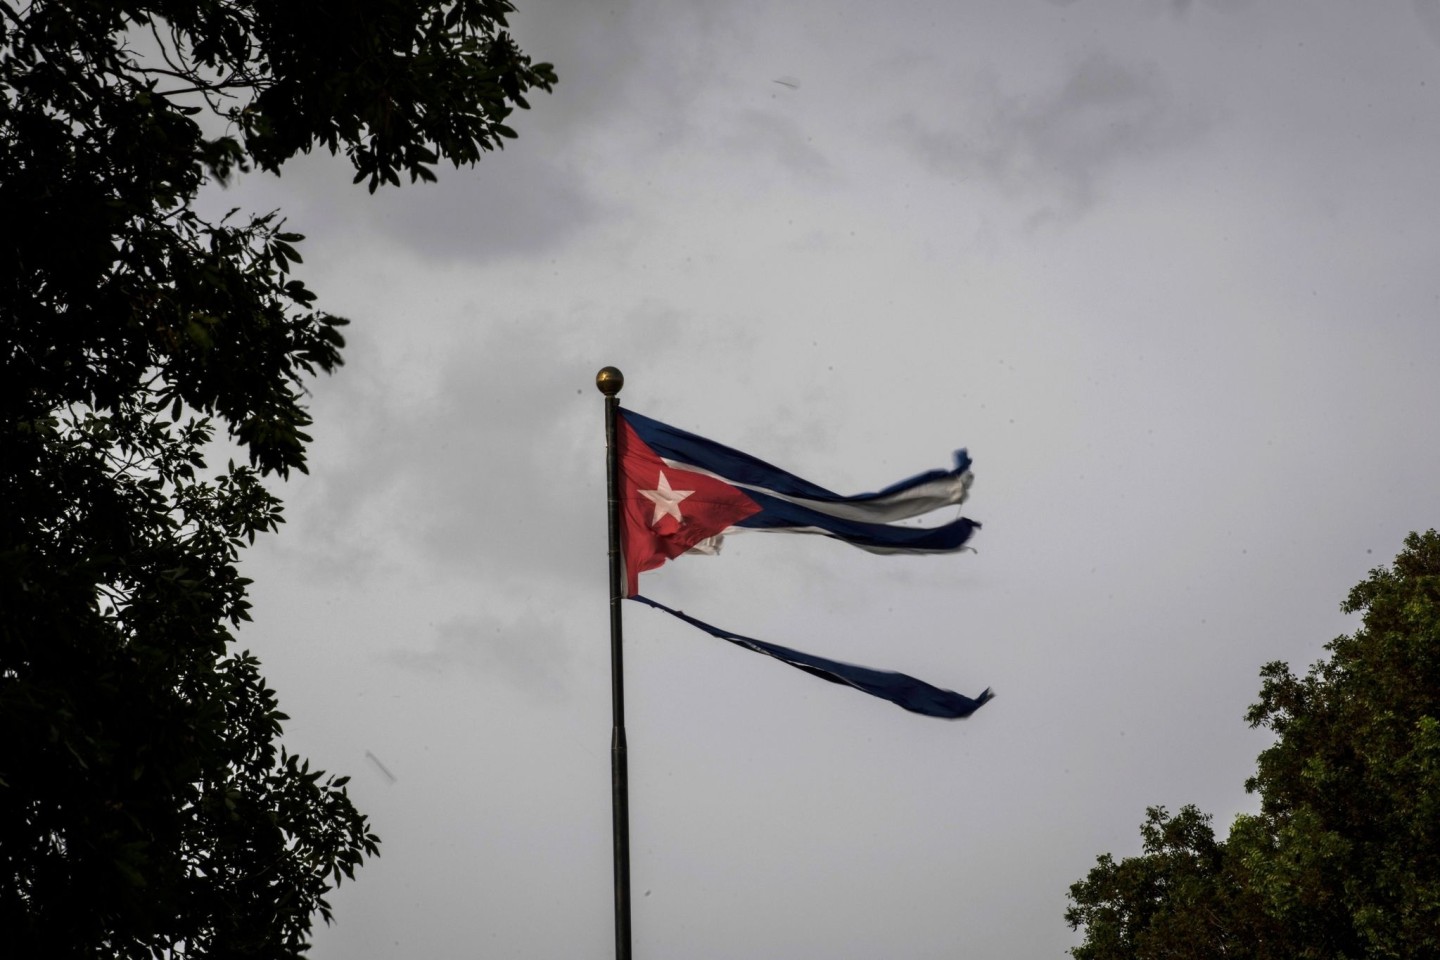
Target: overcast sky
{"points": [[1167, 269]]}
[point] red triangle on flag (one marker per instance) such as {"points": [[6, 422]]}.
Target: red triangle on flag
{"points": [[666, 510]]}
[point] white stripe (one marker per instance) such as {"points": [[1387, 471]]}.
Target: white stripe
{"points": [[868, 548], [710, 546], [944, 492]]}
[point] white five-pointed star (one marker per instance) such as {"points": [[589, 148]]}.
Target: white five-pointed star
{"points": [[666, 501]]}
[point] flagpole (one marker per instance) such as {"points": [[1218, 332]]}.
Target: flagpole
{"points": [[609, 381]]}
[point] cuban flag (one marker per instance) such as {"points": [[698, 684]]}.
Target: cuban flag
{"points": [[681, 493]]}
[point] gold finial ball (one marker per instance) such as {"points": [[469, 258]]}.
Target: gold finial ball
{"points": [[609, 380]]}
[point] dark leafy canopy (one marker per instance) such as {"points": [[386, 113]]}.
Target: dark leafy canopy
{"points": [[145, 807], [1343, 859]]}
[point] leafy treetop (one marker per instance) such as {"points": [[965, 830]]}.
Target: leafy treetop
{"points": [[146, 808], [1343, 858]]}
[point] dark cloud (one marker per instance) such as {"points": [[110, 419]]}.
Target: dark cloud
{"points": [[626, 68], [1056, 150], [493, 471], [537, 192], [629, 82], [517, 202], [601, 53], [509, 206], [475, 473]]}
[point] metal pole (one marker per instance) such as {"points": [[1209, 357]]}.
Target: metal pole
{"points": [[609, 381]]}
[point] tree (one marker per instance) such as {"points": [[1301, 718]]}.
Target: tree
{"points": [[1186, 897], [146, 808], [1343, 858]]}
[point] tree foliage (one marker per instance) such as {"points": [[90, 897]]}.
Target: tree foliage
{"points": [[146, 808], [1343, 858]]}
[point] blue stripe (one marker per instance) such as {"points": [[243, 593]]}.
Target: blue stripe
{"points": [[730, 464], [777, 514], [914, 695]]}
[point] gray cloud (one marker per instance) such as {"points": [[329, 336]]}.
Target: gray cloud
{"points": [[515, 203], [1187, 439], [779, 137], [629, 81], [492, 470], [1179, 7], [538, 191], [1429, 13], [471, 474], [631, 72], [1055, 151], [486, 214], [612, 57], [531, 652]]}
